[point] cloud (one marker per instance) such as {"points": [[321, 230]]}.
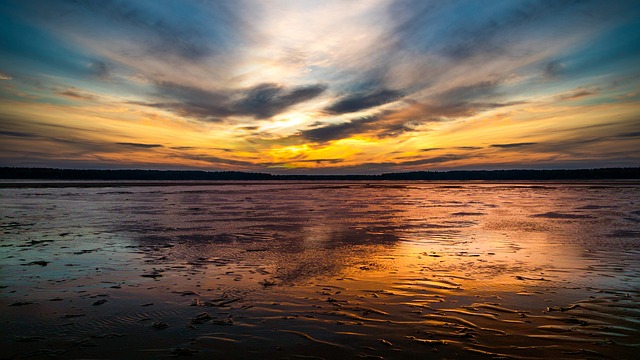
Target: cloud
{"points": [[4, 76], [467, 148], [18, 134], [73, 146], [100, 69], [576, 94], [339, 131], [217, 160], [553, 69], [412, 117], [156, 31], [436, 160], [628, 135], [319, 161], [472, 92], [73, 93], [140, 145], [265, 100], [513, 145], [362, 101], [261, 102], [410, 65], [249, 127], [463, 30], [184, 42]]}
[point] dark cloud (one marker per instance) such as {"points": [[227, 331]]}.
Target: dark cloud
{"points": [[190, 101], [553, 69], [217, 160], [319, 161], [171, 34], [576, 95], [249, 128], [266, 100], [100, 69], [628, 135], [77, 94], [431, 149], [436, 160], [339, 131], [77, 146], [18, 134], [475, 91], [140, 145], [513, 145], [462, 109], [380, 167], [462, 101], [198, 148], [392, 123], [362, 101], [261, 102], [467, 148], [317, 124], [473, 29], [158, 31]]}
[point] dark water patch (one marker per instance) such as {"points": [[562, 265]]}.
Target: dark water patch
{"points": [[208, 238], [595, 207], [626, 234], [468, 213], [322, 187], [560, 215], [384, 186]]}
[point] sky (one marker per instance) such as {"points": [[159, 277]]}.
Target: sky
{"points": [[320, 87]]}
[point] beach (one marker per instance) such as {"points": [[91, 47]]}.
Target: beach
{"points": [[332, 270]]}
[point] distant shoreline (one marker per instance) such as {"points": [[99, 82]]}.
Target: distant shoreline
{"points": [[18, 176], [448, 184]]}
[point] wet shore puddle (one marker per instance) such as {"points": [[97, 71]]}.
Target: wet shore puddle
{"points": [[321, 270]]}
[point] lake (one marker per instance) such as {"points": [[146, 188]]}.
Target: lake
{"points": [[272, 270]]}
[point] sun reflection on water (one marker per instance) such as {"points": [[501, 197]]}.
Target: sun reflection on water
{"points": [[341, 263]]}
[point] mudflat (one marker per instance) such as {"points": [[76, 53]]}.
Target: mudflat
{"points": [[334, 270]]}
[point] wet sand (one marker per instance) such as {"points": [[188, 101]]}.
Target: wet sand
{"points": [[321, 270]]}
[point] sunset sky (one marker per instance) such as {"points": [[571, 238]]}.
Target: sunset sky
{"points": [[334, 87]]}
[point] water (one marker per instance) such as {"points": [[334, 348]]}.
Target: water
{"points": [[333, 270]]}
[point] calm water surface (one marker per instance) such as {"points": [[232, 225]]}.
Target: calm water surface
{"points": [[329, 270]]}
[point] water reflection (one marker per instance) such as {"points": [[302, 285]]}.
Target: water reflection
{"points": [[338, 266]]}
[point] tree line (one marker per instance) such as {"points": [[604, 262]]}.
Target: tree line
{"points": [[176, 175]]}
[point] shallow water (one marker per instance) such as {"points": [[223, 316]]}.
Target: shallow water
{"points": [[328, 270]]}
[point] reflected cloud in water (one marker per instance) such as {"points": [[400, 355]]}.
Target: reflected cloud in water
{"points": [[449, 265]]}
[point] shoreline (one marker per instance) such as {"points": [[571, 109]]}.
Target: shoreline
{"points": [[47, 183]]}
